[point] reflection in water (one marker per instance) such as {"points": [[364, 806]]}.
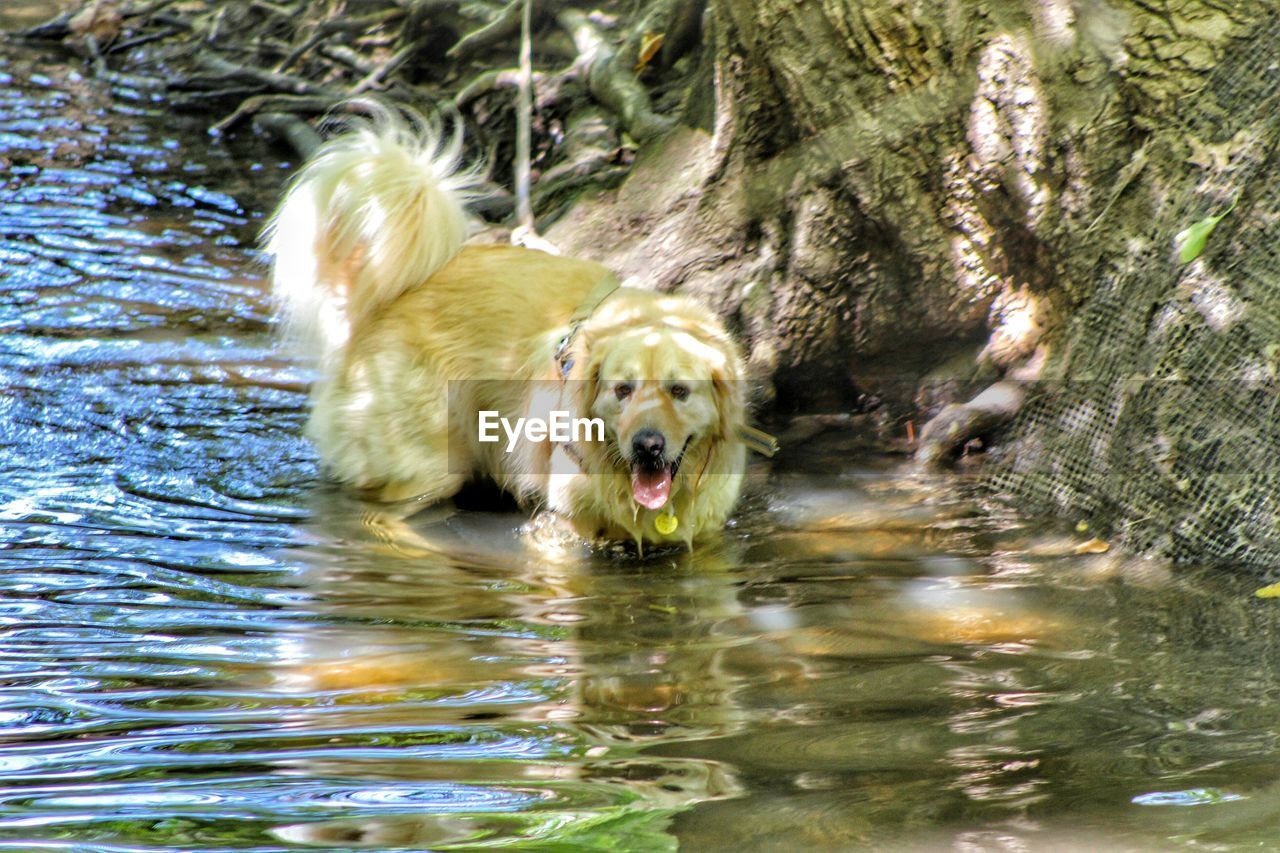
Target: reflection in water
{"points": [[204, 647]]}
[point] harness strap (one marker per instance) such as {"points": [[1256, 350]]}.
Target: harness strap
{"points": [[603, 289]]}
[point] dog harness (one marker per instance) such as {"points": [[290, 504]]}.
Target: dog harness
{"points": [[603, 290], [758, 440]]}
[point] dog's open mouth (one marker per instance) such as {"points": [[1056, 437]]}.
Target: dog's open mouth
{"points": [[651, 484]]}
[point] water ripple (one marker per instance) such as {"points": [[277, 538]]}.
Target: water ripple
{"points": [[201, 648], [250, 796], [192, 746]]}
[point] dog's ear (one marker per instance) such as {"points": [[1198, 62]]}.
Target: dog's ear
{"points": [[729, 388]]}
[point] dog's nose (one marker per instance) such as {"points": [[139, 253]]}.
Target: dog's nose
{"points": [[648, 444]]}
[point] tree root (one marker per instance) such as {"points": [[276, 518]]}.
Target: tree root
{"points": [[312, 104], [503, 28], [346, 56], [947, 433], [272, 80], [683, 31], [376, 75], [282, 62], [489, 81], [591, 156], [59, 26], [299, 135], [612, 82]]}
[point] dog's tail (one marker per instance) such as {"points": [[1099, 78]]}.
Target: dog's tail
{"points": [[376, 211]]}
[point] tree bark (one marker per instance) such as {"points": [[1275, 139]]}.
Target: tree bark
{"points": [[886, 185]]}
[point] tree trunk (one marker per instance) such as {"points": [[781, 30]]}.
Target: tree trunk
{"points": [[887, 185]]}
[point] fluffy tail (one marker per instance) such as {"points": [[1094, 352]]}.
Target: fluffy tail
{"points": [[375, 212]]}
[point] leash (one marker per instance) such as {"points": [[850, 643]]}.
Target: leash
{"points": [[758, 440]]}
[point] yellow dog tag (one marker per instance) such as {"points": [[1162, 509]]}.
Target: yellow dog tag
{"points": [[666, 524]]}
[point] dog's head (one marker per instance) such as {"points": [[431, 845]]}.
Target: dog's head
{"points": [[668, 393]]}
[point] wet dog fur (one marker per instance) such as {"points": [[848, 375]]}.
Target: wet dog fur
{"points": [[377, 284]]}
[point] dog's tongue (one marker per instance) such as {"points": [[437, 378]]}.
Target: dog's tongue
{"points": [[651, 488]]}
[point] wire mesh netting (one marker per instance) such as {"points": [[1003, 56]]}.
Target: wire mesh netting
{"points": [[1157, 417]]}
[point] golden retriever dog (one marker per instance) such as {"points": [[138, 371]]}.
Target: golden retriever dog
{"points": [[419, 338]]}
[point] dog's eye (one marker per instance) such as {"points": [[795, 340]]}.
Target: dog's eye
{"points": [[678, 391], [622, 390]]}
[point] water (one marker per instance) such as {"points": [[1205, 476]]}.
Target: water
{"points": [[204, 647]]}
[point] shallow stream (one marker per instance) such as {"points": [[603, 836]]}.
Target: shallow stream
{"points": [[204, 647]]}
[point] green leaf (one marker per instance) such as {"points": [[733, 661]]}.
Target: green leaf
{"points": [[1191, 241], [1272, 591]]}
